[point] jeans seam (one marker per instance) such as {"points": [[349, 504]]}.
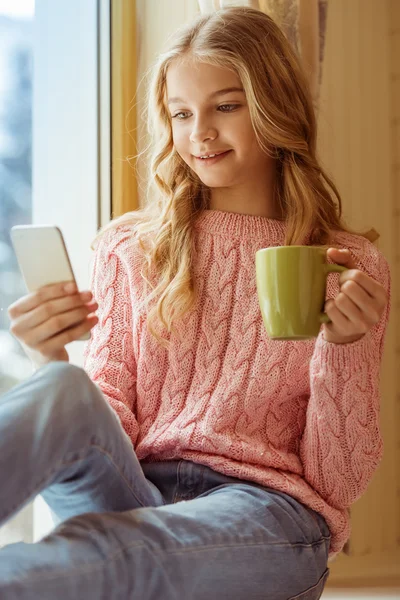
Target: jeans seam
{"points": [[247, 545], [175, 496], [321, 580], [81, 569], [202, 484], [99, 563], [54, 468]]}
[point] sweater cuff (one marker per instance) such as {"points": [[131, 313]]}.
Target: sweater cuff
{"points": [[343, 356]]}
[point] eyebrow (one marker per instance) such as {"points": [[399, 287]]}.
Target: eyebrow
{"points": [[213, 95]]}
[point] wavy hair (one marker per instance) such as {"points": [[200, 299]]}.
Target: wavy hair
{"points": [[251, 44]]}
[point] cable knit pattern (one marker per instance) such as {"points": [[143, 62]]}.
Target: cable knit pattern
{"points": [[113, 369], [301, 417]]}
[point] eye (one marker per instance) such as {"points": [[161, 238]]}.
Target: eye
{"points": [[230, 107], [177, 116]]}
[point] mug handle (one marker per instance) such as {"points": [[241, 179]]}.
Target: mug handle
{"points": [[331, 268]]}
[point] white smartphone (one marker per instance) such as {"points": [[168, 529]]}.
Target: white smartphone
{"points": [[42, 257]]}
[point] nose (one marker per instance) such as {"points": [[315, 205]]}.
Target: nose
{"points": [[202, 131]]}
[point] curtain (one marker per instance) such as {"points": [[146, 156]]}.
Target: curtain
{"points": [[304, 24]]}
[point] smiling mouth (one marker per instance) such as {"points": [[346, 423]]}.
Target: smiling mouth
{"points": [[213, 157]]}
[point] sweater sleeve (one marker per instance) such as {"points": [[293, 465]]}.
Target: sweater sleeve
{"points": [[341, 445], [108, 356]]}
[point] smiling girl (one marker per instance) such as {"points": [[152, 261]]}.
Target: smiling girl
{"points": [[193, 457]]}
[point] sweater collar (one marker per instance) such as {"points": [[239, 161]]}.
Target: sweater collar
{"points": [[241, 226]]}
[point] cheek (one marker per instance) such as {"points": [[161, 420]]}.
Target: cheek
{"points": [[181, 148], [249, 141], [179, 139]]}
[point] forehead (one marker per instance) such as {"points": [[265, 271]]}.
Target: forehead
{"points": [[191, 79]]}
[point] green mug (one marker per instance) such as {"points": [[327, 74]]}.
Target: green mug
{"points": [[291, 287]]}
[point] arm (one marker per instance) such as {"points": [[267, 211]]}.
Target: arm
{"points": [[341, 446], [108, 356]]}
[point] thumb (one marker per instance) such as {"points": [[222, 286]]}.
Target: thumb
{"points": [[342, 257]]}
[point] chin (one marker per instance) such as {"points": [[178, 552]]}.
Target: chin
{"points": [[216, 182]]}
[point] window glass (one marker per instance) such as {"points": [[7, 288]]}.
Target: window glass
{"points": [[16, 70]]}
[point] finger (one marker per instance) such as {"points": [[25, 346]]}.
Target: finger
{"points": [[70, 309], [339, 320], [67, 335], [362, 300], [48, 310], [350, 310], [32, 300], [372, 287], [342, 257], [33, 336]]}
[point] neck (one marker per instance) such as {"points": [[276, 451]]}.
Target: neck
{"points": [[253, 198]]}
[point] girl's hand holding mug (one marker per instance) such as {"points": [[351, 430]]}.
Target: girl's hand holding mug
{"points": [[46, 320], [359, 304]]}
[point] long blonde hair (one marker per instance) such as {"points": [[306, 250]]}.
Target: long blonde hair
{"points": [[282, 113]]}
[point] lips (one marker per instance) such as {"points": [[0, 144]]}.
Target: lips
{"points": [[209, 162], [217, 152]]}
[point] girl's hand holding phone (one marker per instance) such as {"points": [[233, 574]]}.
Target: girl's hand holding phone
{"points": [[46, 320]]}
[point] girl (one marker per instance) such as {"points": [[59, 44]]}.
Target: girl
{"points": [[193, 457]]}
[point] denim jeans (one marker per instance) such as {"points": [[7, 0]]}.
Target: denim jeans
{"points": [[134, 530]]}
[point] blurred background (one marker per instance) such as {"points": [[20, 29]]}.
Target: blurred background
{"points": [[16, 70], [16, 66]]}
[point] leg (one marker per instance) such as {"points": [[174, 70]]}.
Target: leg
{"points": [[232, 542], [60, 437]]}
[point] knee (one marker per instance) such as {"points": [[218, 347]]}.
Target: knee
{"points": [[59, 369], [72, 390], [63, 375]]}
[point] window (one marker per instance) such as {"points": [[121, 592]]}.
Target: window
{"points": [[15, 169], [16, 29], [54, 167]]}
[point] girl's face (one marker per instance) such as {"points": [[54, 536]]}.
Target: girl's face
{"points": [[209, 114]]}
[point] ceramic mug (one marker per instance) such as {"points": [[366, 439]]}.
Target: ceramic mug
{"points": [[291, 287]]}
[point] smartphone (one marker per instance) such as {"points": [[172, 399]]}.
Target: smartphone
{"points": [[42, 257]]}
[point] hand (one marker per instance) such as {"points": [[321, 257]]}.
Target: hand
{"points": [[46, 320], [359, 304]]}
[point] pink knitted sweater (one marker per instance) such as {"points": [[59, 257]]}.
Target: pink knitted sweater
{"points": [[301, 417]]}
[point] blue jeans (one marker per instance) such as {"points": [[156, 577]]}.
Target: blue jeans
{"points": [[172, 530]]}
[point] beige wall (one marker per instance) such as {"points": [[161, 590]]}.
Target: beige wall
{"points": [[394, 72], [359, 144], [394, 41]]}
